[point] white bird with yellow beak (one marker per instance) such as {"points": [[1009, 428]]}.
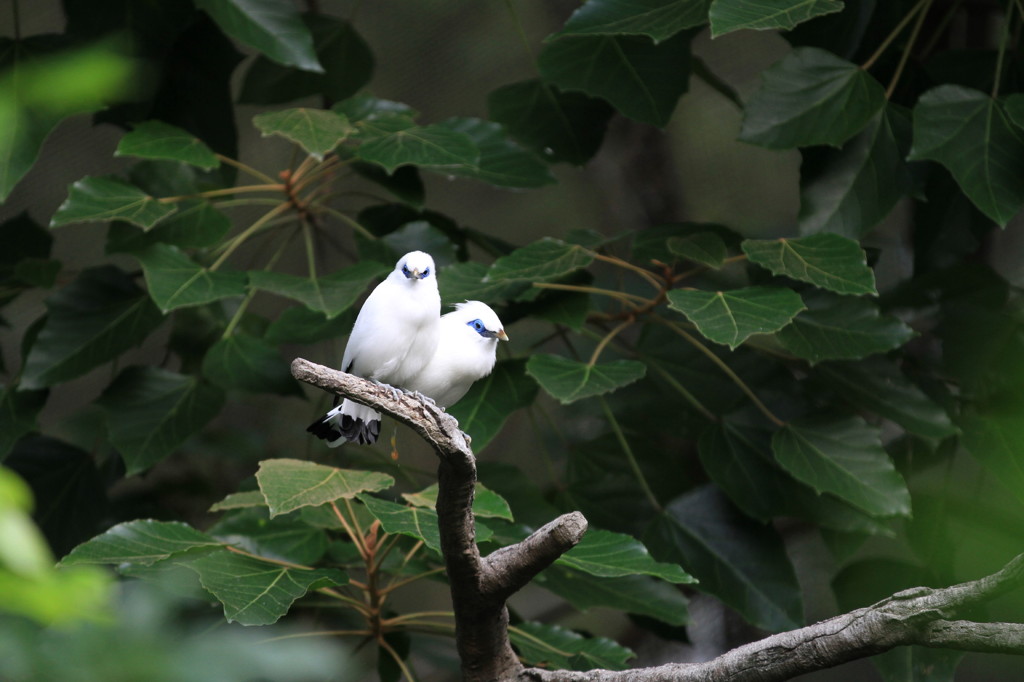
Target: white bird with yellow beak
{"points": [[394, 337]]}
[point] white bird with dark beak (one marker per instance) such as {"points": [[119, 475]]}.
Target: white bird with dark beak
{"points": [[395, 335], [465, 353]]}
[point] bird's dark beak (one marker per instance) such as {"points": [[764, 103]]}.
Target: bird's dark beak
{"points": [[502, 335]]}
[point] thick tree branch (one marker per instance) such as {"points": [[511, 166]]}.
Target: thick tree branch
{"points": [[480, 586]]}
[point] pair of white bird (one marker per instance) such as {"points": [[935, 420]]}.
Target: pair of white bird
{"points": [[400, 338]]}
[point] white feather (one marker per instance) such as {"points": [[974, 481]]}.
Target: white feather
{"points": [[393, 338], [464, 354]]}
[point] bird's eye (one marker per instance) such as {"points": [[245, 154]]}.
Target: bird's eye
{"points": [[477, 325], [405, 270], [426, 273]]}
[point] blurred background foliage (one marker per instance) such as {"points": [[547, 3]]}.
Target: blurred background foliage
{"points": [[760, 269]]}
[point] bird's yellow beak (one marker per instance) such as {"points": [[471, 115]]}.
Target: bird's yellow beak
{"points": [[502, 335], [415, 273]]}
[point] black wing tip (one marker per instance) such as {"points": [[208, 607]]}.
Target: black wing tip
{"points": [[352, 430]]}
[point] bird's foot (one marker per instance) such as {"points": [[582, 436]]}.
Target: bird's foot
{"points": [[395, 393], [424, 398]]}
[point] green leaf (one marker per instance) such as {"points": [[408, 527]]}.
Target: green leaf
{"points": [[104, 198], [811, 97], [434, 146], [299, 324], [739, 460], [542, 260], [971, 134], [732, 15], [269, 26], [243, 500], [637, 594], [369, 108], [737, 560], [196, 225], [285, 538], [571, 380], [256, 592], [843, 456], [415, 522], [487, 504], [554, 647], [18, 413], [731, 317], [842, 328], [141, 542], [653, 243], [658, 19], [469, 281], [91, 321], [879, 386], [995, 436], [706, 248], [642, 79], [860, 184], [176, 281], [249, 364], [503, 162], [151, 412], [560, 126], [825, 260], [159, 140], [330, 294], [492, 400], [345, 56], [289, 484], [613, 555], [315, 130]]}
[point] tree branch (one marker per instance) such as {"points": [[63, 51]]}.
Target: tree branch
{"points": [[480, 586]]}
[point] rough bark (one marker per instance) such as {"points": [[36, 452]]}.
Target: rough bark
{"points": [[481, 585]]}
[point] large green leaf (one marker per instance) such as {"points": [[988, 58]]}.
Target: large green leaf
{"points": [[285, 538], [105, 198], [542, 260], [415, 522], [706, 248], [637, 594], [289, 484], [176, 281], [879, 385], [18, 412], [843, 456], [741, 562], [658, 19], [970, 134], [255, 592], [91, 321], [560, 126], [241, 500], [842, 328], [811, 97], [272, 27], [503, 162], [487, 504], [330, 294], [826, 260], [571, 380], [345, 56], [299, 324], [469, 281], [856, 187], [250, 364], [433, 146], [151, 412], [642, 79], [159, 140], [613, 555], [738, 459], [551, 646], [491, 400], [315, 130], [995, 436], [733, 15], [141, 542], [197, 224], [730, 317]]}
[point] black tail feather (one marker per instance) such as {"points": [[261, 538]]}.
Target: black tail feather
{"points": [[351, 429]]}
